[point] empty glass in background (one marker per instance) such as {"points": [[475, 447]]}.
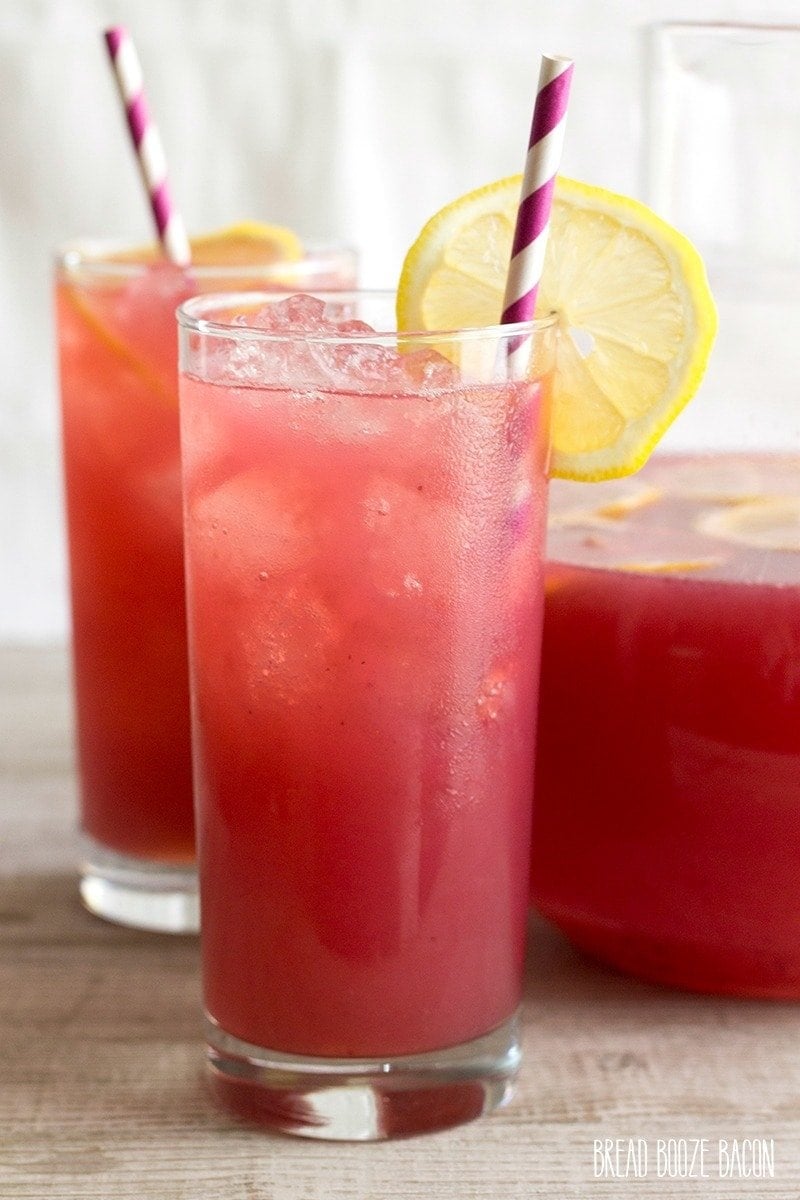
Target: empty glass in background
{"points": [[721, 163], [119, 392], [670, 846]]}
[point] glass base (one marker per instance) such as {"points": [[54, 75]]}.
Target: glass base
{"points": [[139, 893], [359, 1099]]}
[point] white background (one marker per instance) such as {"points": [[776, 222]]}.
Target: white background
{"points": [[350, 119]]}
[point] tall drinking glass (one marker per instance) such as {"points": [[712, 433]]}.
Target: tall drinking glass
{"points": [[670, 845], [118, 364], [364, 517]]}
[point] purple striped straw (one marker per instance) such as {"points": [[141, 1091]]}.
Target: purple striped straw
{"points": [[147, 144], [538, 183]]}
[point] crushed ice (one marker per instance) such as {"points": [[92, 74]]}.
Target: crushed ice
{"points": [[318, 363]]}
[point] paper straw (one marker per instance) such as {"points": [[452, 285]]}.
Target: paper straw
{"points": [[538, 182], [147, 144]]}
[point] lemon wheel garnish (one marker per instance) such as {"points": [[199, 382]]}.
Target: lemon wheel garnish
{"points": [[636, 315]]}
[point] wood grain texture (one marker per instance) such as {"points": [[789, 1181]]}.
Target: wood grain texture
{"points": [[101, 1087]]}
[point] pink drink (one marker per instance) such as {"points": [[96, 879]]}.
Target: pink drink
{"points": [[120, 432], [364, 588], [118, 360], [666, 833]]}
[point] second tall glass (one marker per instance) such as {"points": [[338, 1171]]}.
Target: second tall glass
{"points": [[118, 361]]}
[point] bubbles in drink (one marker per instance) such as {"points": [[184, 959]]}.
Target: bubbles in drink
{"points": [[494, 694], [410, 540], [288, 641]]}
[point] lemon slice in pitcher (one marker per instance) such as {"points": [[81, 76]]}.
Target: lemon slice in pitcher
{"points": [[770, 523], [636, 314]]}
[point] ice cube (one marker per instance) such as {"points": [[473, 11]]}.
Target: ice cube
{"points": [[358, 366], [262, 362], [411, 541], [250, 528], [427, 369], [299, 363], [259, 659], [249, 363], [288, 641], [296, 314], [351, 326]]}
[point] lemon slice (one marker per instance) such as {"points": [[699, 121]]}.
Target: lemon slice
{"points": [[772, 523], [615, 501], [636, 315], [246, 244], [668, 566]]}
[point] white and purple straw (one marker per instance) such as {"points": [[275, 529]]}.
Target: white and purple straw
{"points": [[148, 146], [538, 182]]}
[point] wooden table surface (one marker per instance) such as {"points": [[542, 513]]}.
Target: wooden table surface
{"points": [[101, 1085]]}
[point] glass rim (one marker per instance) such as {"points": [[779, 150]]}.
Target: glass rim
{"points": [[190, 317], [699, 26], [90, 257]]}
